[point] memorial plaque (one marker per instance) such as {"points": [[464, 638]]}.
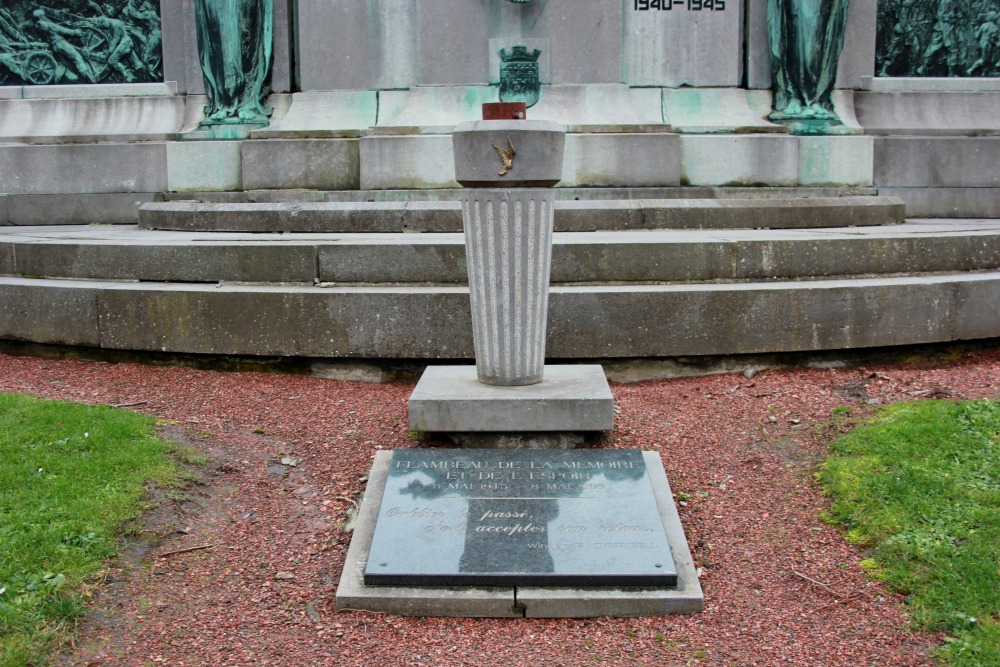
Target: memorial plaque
{"points": [[519, 518]]}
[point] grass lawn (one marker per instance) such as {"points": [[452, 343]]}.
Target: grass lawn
{"points": [[73, 480], [919, 486]]}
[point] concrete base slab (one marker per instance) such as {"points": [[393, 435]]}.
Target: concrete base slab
{"points": [[330, 114], [510, 602], [948, 202], [74, 209], [711, 110], [536, 440], [449, 399]]}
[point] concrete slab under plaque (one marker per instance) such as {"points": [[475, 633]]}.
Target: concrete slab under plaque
{"points": [[519, 600], [449, 399]]}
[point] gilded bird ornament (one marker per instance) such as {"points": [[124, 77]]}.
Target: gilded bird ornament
{"points": [[506, 157]]}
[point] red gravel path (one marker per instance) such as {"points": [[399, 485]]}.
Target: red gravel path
{"points": [[742, 448]]}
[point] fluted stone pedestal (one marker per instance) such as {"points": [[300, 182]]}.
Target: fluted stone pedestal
{"points": [[508, 248], [510, 399]]}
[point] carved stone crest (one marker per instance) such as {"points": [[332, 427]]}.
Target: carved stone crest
{"points": [[519, 80]]}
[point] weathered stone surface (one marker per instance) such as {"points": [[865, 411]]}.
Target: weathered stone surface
{"points": [[584, 321], [929, 84], [710, 110], [100, 92], [403, 162], [937, 162], [602, 257], [753, 318], [924, 202], [681, 46], [90, 168], [177, 262], [929, 113], [563, 23], [204, 165], [531, 440], [7, 266], [614, 160], [570, 398], [39, 312], [591, 160], [976, 306], [120, 118], [77, 209], [570, 215], [836, 160], [369, 262], [288, 321], [537, 153], [325, 114], [523, 518], [320, 164], [735, 160], [508, 253], [451, 39], [175, 34]]}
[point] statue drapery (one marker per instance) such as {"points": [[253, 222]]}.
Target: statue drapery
{"points": [[235, 48], [805, 38]]}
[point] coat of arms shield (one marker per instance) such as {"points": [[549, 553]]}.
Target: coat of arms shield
{"points": [[519, 80]]}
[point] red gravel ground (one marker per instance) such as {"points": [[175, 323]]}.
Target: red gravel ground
{"points": [[740, 449]]}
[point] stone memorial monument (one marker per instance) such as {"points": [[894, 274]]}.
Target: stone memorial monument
{"points": [[534, 532], [508, 168]]}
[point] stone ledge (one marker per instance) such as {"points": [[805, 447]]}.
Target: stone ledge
{"points": [[449, 399], [585, 322]]}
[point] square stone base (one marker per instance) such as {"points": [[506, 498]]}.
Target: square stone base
{"points": [[519, 601], [449, 399]]}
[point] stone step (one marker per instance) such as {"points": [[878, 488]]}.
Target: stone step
{"points": [[562, 193], [419, 322], [576, 216], [635, 256]]}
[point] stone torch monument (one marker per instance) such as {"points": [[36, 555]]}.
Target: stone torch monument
{"points": [[511, 398]]}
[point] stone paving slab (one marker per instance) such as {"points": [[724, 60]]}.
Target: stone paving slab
{"points": [[520, 601], [449, 399]]}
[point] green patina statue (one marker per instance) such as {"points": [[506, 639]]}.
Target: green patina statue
{"points": [[938, 38], [805, 38], [80, 41], [235, 47]]}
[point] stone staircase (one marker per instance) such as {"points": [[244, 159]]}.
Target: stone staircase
{"points": [[657, 272]]}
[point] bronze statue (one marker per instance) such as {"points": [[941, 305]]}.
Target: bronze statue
{"points": [[806, 38], [235, 47]]}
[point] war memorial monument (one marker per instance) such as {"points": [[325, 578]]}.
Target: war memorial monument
{"points": [[541, 188]]}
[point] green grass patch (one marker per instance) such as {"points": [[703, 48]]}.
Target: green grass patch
{"points": [[919, 486], [73, 480]]}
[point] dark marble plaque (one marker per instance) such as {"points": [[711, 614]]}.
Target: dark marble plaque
{"points": [[484, 517]]}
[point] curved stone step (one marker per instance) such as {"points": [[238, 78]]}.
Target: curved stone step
{"points": [[640, 256], [570, 216], [594, 322]]}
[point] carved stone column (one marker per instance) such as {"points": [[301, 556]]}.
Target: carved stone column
{"points": [[508, 168]]}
